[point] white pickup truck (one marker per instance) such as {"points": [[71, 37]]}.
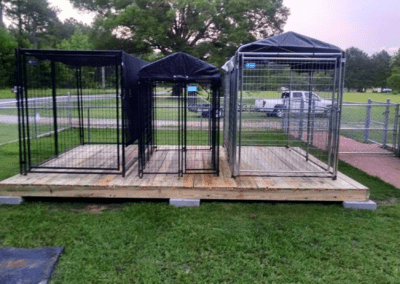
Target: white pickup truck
{"points": [[296, 101]]}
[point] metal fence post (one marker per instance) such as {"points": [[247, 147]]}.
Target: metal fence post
{"points": [[397, 130], [301, 119], [386, 123], [312, 123], [69, 107], [284, 117], [88, 121], [367, 121], [35, 118]]}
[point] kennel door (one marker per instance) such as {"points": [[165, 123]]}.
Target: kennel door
{"points": [[198, 130]]}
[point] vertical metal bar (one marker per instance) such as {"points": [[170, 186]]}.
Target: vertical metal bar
{"points": [[117, 108], [123, 94], [339, 116], [330, 123], [312, 123], [289, 109], [88, 121], [69, 107], [300, 134], [234, 110], [25, 80], [309, 115], [218, 94], [180, 142], [54, 94], [386, 123], [19, 98], [240, 113], [398, 129], [78, 94], [35, 119], [184, 165], [395, 126], [139, 128], [367, 121]]}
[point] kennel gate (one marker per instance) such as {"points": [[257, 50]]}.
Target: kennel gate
{"points": [[283, 113]]}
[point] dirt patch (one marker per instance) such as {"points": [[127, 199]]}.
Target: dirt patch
{"points": [[94, 208], [390, 201]]}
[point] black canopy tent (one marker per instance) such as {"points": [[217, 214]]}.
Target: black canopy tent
{"points": [[165, 121], [74, 104], [285, 62]]}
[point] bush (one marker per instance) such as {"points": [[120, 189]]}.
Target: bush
{"points": [[394, 83]]}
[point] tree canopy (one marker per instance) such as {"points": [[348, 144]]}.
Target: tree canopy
{"points": [[7, 46], [208, 29], [358, 69]]}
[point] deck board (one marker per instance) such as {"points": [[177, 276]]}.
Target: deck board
{"points": [[202, 186]]}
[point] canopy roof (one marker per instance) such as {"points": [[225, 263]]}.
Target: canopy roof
{"points": [[78, 57], [288, 45], [290, 42], [180, 66]]}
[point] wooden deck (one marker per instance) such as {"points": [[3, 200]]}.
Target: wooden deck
{"points": [[201, 186]]}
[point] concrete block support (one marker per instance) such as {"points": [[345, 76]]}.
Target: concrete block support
{"points": [[362, 205], [184, 202], [11, 200]]}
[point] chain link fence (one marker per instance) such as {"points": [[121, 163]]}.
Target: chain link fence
{"points": [[369, 128]]}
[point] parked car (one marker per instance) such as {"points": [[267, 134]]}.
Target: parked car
{"points": [[293, 100], [386, 90], [206, 112]]}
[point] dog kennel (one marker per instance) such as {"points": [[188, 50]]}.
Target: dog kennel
{"points": [[282, 102], [77, 111], [179, 116]]}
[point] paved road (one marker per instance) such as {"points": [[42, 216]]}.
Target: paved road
{"points": [[12, 103]]}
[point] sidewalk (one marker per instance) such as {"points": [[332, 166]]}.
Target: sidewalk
{"points": [[384, 166]]}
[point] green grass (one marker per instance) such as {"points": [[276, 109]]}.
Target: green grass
{"points": [[147, 242], [8, 132], [218, 242], [7, 94]]}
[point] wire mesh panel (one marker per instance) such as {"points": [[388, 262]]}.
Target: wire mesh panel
{"points": [[180, 128], [283, 115], [70, 115], [369, 128]]}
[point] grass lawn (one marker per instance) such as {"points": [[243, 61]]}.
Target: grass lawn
{"points": [[218, 242], [7, 94], [150, 242], [8, 132]]}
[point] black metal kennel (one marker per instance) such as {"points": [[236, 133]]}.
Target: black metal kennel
{"points": [[77, 111], [179, 116]]}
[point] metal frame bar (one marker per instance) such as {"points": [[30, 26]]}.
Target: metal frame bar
{"points": [[334, 120], [23, 108], [182, 148]]}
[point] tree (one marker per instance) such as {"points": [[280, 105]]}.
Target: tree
{"points": [[35, 17], [359, 74], [394, 82], [208, 29], [67, 28], [7, 58], [78, 41], [395, 62], [380, 68]]}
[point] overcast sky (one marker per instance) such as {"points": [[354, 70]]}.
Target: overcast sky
{"points": [[370, 25]]}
